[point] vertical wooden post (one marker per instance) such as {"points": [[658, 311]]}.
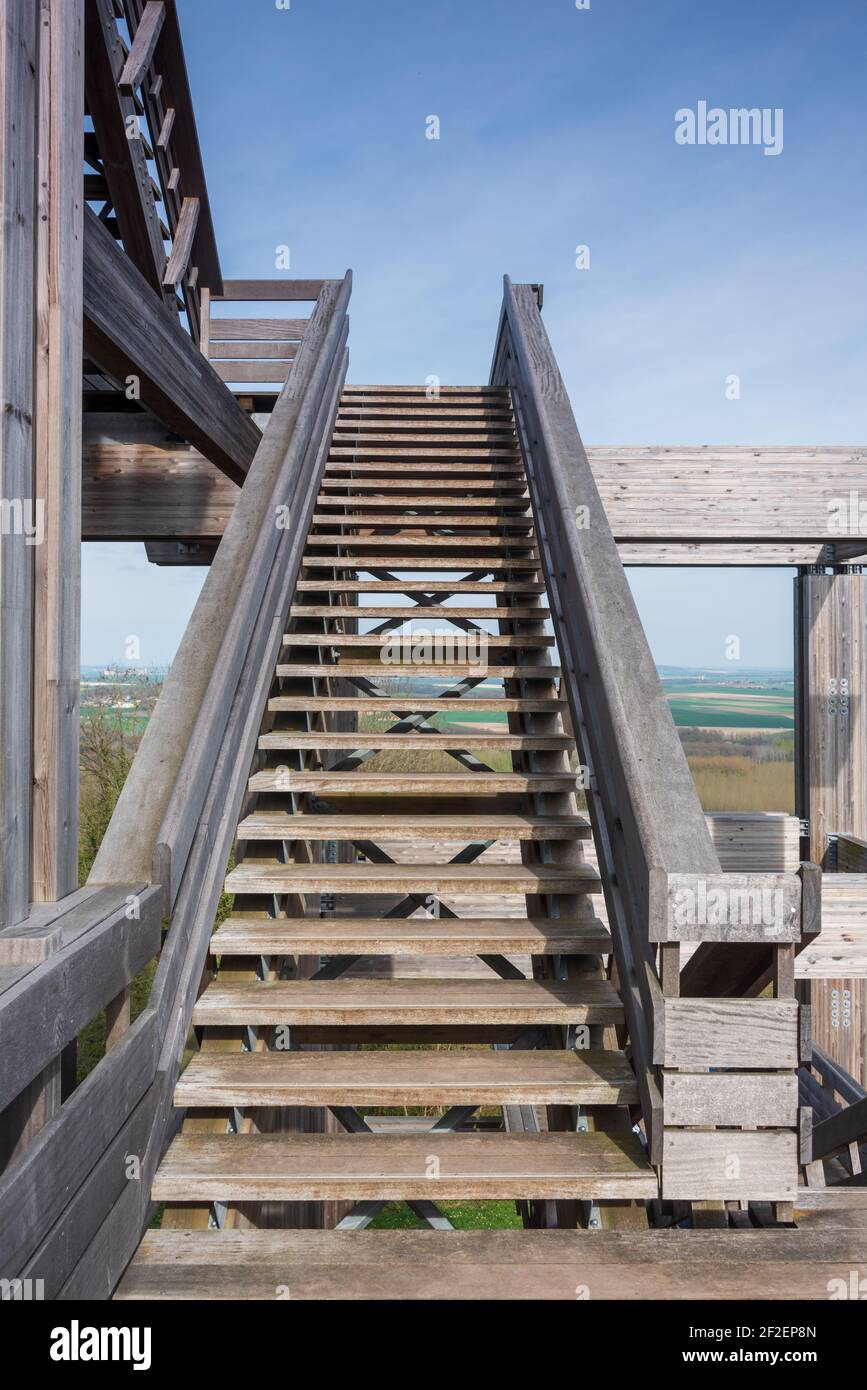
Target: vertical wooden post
{"points": [[57, 592], [831, 765], [18, 108]]}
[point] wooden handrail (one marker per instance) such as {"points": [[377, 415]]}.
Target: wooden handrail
{"points": [[68, 1213], [134, 830]]}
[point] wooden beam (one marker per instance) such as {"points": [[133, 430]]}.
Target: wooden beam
{"points": [[131, 334], [712, 494], [19, 68], [57, 598], [115, 123], [145, 41], [170, 63], [182, 245]]}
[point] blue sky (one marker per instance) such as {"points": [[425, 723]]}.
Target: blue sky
{"points": [[556, 130]]}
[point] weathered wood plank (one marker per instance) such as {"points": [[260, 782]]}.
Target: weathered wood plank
{"points": [[57, 561], [182, 244], [144, 42], [548, 1265], [36, 1189], [116, 124], [54, 1001], [730, 1165], [19, 67], [132, 335], [761, 1033], [730, 1098], [730, 907]]}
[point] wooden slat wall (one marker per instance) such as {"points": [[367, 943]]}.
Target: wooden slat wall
{"points": [[831, 776]]}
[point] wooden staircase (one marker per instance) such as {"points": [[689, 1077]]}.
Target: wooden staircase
{"points": [[464, 970]]}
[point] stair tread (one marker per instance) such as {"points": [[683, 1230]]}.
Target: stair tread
{"points": [[422, 562], [418, 610], [445, 637], [277, 825], [422, 704], [387, 670], [420, 586], [317, 1167], [408, 522], [481, 877], [507, 483], [417, 742], [409, 1002], [411, 783], [504, 543], [425, 1265], [417, 1077], [410, 936]]}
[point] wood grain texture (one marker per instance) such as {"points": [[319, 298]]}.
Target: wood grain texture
{"points": [[57, 561], [729, 1165], [490, 1265], [397, 1003], [19, 66], [317, 1167], [130, 333], [418, 1077], [372, 936], [761, 1033]]}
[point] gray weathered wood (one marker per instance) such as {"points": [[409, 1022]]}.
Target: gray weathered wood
{"points": [[731, 907], [54, 1001], [729, 1164], [730, 1098], [19, 68], [761, 1033], [57, 598], [131, 334]]}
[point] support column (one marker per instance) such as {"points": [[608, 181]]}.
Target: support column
{"points": [[57, 580], [831, 768], [18, 116]]}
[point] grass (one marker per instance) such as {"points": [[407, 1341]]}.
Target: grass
{"points": [[464, 1216]]}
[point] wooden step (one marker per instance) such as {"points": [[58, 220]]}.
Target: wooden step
{"points": [[408, 1003], [369, 1167], [459, 641], [370, 453], [481, 877], [786, 1264], [410, 783], [424, 472], [417, 742], [455, 544], [420, 1077], [277, 825], [508, 485], [377, 391], [380, 670], [497, 506], [410, 936], [383, 437], [410, 610], [421, 562], [410, 703], [420, 586], [406, 521]]}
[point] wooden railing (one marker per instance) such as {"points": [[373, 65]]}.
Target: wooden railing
{"points": [[74, 1202], [657, 862]]}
